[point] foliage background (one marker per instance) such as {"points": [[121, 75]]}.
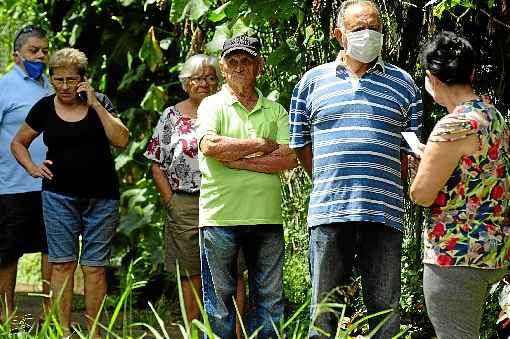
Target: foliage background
{"points": [[135, 50]]}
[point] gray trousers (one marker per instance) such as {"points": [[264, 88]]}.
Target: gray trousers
{"points": [[455, 297]]}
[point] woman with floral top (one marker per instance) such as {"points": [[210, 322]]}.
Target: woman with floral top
{"points": [[463, 178], [173, 150]]}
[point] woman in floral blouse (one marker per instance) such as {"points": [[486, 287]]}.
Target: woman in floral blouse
{"points": [[463, 178], [174, 153]]}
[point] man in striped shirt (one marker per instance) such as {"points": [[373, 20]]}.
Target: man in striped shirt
{"points": [[346, 119]]}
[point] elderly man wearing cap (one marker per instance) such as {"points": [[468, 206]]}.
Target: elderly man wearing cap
{"points": [[243, 139], [21, 222]]}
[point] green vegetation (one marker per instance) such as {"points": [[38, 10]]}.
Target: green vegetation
{"points": [[121, 324], [136, 47]]}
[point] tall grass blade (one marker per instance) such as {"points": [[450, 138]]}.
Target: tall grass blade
{"points": [[161, 323]]}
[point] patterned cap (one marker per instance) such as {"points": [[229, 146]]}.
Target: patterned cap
{"points": [[243, 43]]}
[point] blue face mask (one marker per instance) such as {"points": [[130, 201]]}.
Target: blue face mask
{"points": [[34, 69]]}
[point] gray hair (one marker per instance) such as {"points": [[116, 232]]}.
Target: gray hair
{"points": [[348, 3], [194, 63], [69, 57], [30, 31]]}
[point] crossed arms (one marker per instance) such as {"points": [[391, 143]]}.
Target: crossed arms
{"points": [[257, 155]]}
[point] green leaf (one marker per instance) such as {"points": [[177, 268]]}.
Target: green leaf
{"points": [[165, 43], [150, 52], [121, 160], [155, 99], [221, 34], [240, 28], [440, 8], [266, 9], [278, 55], [194, 9], [75, 34], [219, 13], [132, 76], [274, 95], [129, 57], [132, 221], [127, 3]]}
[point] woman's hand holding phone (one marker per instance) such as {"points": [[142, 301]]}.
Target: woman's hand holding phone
{"points": [[86, 92]]}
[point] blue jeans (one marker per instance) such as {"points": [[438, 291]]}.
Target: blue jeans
{"points": [[67, 218], [263, 247], [332, 251]]}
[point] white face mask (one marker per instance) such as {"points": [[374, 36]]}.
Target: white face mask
{"points": [[428, 87], [364, 45]]}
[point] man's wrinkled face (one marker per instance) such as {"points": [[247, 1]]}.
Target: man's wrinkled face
{"points": [[34, 49], [240, 68]]}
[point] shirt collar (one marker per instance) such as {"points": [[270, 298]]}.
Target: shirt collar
{"points": [[24, 76], [379, 64], [231, 99]]}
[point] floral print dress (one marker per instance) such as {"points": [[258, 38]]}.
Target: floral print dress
{"points": [[174, 146], [469, 223]]}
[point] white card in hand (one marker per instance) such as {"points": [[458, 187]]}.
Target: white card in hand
{"points": [[413, 142]]}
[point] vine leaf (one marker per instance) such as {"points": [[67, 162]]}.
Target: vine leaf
{"points": [[219, 13], [240, 28], [150, 52], [221, 34], [184, 8], [155, 99]]}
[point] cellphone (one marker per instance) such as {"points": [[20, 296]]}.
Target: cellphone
{"points": [[83, 96]]}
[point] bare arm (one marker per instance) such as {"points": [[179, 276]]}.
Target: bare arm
{"points": [[19, 148], [437, 165], [116, 132], [229, 149], [162, 184], [281, 159], [305, 156]]}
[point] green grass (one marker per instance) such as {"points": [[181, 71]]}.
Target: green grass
{"points": [[122, 324]]}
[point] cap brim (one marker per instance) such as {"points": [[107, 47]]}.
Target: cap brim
{"points": [[239, 48]]}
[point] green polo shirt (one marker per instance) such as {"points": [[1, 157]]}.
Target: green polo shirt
{"points": [[230, 197]]}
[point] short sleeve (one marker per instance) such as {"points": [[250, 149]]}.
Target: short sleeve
{"points": [[282, 136], [457, 126], [299, 117], [38, 114], [208, 118], [155, 150], [107, 104]]}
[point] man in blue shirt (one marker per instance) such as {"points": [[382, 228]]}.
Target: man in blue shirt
{"points": [[21, 223], [346, 119]]}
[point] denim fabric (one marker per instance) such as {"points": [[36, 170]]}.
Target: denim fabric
{"points": [[67, 218], [332, 251], [263, 248]]}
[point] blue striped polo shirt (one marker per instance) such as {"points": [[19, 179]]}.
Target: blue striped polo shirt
{"points": [[354, 127]]}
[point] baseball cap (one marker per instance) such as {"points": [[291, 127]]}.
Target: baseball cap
{"points": [[243, 43]]}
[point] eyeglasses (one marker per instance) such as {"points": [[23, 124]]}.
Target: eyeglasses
{"points": [[71, 82], [210, 79]]}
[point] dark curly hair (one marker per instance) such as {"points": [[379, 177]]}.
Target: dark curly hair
{"points": [[449, 57]]}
